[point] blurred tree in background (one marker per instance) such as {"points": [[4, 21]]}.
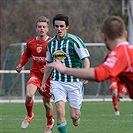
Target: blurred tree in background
{"points": [[18, 17]]}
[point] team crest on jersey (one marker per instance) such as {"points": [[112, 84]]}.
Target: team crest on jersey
{"points": [[39, 49], [59, 55]]}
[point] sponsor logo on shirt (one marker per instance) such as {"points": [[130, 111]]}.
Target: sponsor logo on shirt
{"points": [[39, 59], [111, 60], [59, 55]]}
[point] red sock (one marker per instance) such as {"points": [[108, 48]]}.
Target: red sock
{"points": [[49, 118], [29, 108], [115, 103]]}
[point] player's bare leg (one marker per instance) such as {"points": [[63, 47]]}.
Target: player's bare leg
{"points": [[49, 114], [75, 115], [61, 121], [29, 102], [115, 102]]}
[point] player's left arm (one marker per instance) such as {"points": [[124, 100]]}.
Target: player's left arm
{"points": [[86, 64], [47, 72]]}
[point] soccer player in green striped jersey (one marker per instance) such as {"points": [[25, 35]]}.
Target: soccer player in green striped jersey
{"points": [[72, 52]]}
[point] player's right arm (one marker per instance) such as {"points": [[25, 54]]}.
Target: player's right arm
{"points": [[19, 68], [24, 59], [47, 70]]}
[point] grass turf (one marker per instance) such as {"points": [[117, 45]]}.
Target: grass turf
{"points": [[96, 117]]}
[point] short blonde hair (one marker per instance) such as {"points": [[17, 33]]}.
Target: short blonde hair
{"points": [[42, 19]]}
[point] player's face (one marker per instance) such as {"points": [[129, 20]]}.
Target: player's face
{"points": [[60, 28], [42, 29]]}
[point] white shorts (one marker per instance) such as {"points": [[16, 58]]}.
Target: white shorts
{"points": [[68, 91]]}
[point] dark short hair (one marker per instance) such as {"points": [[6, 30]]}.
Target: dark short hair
{"points": [[113, 27], [61, 17]]}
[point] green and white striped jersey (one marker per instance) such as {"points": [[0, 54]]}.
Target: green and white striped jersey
{"points": [[70, 51]]}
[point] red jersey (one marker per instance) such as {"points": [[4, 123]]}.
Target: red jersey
{"points": [[35, 49], [119, 62]]}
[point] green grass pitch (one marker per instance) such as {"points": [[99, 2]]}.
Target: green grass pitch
{"points": [[96, 117]]}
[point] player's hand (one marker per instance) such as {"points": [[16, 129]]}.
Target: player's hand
{"points": [[19, 68], [43, 87], [58, 66], [85, 81]]}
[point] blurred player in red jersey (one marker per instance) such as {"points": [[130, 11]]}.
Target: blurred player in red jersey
{"points": [[119, 61], [118, 91], [36, 49]]}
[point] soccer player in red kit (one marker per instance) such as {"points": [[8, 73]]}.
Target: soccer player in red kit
{"points": [[119, 61], [118, 91], [36, 49]]}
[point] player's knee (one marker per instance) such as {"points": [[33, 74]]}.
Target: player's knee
{"points": [[120, 95], [115, 93], [28, 99], [46, 102], [59, 110]]}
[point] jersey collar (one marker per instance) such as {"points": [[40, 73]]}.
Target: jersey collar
{"points": [[122, 43]]}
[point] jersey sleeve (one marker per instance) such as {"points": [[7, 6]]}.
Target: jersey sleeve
{"points": [[81, 49], [114, 64], [26, 55]]}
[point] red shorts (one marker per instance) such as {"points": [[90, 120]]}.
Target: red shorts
{"points": [[121, 88], [36, 79]]}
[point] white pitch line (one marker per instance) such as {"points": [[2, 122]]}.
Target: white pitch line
{"points": [[84, 100]]}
